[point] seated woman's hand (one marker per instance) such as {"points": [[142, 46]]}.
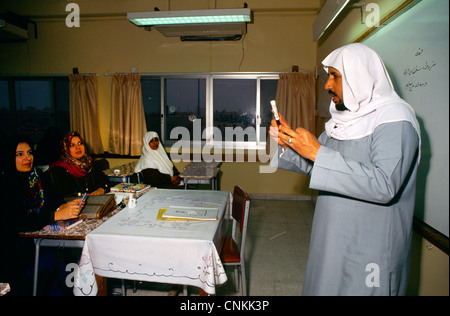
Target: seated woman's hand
{"points": [[69, 210], [99, 191]]}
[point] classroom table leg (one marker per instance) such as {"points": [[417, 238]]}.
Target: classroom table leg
{"points": [[37, 242]]}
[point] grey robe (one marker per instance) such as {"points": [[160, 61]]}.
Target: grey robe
{"points": [[362, 228]]}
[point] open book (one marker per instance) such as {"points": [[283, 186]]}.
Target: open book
{"points": [[191, 213], [96, 206]]}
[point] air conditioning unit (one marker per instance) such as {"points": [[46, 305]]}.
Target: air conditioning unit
{"points": [[204, 32], [13, 27]]}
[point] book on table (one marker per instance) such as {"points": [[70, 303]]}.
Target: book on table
{"points": [[129, 188], [96, 206], [191, 213]]}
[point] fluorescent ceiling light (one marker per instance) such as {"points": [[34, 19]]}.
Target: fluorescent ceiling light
{"points": [[329, 12], [190, 17]]}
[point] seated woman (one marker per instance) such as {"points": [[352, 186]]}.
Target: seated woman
{"points": [[35, 207], [75, 173], [26, 207], [155, 165]]}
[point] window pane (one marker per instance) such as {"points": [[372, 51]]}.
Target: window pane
{"points": [[235, 108], [4, 107], [268, 93], [34, 108], [185, 102], [62, 105], [151, 98]]}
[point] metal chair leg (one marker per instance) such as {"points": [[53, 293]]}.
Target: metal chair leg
{"points": [[124, 288]]}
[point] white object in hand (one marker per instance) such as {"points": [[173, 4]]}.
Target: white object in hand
{"points": [[275, 111]]}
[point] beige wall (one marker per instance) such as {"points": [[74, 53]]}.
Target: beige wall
{"points": [[429, 274], [348, 27]]}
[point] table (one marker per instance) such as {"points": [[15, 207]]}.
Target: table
{"points": [[201, 173], [135, 245], [72, 238]]}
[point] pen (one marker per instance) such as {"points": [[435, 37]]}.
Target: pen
{"points": [[82, 199]]}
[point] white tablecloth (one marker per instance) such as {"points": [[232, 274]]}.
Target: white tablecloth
{"points": [[135, 245]]}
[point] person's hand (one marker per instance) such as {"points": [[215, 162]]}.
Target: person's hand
{"points": [[275, 129], [69, 210], [99, 191], [300, 140]]}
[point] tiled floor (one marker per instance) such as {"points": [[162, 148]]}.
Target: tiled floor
{"points": [[276, 251]]}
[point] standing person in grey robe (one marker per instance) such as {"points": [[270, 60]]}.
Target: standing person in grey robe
{"points": [[364, 166]]}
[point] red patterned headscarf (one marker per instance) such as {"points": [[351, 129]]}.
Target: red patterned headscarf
{"points": [[76, 167]]}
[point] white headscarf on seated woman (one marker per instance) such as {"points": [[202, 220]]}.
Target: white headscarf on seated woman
{"points": [[155, 159]]}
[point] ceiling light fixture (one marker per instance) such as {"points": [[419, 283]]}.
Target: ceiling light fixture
{"points": [[153, 18], [329, 12]]}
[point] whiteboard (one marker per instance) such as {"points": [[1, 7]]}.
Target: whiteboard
{"points": [[415, 49]]}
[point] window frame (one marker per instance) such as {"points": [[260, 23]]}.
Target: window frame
{"points": [[258, 144], [12, 95]]}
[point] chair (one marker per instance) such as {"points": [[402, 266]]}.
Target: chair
{"points": [[232, 255]]}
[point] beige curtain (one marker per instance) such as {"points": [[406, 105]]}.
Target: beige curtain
{"points": [[127, 115], [84, 110], [296, 99]]}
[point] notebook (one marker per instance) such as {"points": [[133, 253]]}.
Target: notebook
{"points": [[191, 213], [96, 206]]}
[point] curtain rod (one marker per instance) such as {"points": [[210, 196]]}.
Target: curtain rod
{"points": [[116, 73], [168, 74]]}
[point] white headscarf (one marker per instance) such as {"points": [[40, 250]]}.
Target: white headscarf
{"points": [[368, 94], [155, 159]]}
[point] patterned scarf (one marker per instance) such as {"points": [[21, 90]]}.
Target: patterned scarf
{"points": [[36, 198], [76, 167]]}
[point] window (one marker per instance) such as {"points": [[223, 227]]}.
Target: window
{"points": [[151, 99], [233, 109], [234, 103], [185, 103], [30, 105], [33, 107], [4, 106]]}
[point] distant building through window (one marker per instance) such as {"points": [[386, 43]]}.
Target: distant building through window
{"points": [[30, 105]]}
